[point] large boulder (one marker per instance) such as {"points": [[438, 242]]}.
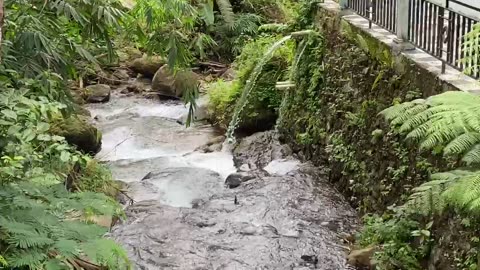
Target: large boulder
{"points": [[173, 85], [127, 54], [79, 132], [147, 66], [97, 93]]}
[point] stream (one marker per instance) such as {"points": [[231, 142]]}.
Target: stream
{"points": [[275, 213]]}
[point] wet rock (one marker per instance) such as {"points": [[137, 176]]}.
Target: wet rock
{"points": [[179, 186], [213, 145], [270, 229], [214, 148], [236, 179], [79, 132], [147, 66], [276, 224], [281, 166], [362, 258], [233, 181], [97, 93], [169, 85], [150, 95], [259, 150], [216, 140], [201, 112], [244, 168], [125, 90], [249, 230], [121, 74], [141, 85], [310, 259]]}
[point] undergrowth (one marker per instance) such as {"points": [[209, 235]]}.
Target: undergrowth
{"points": [[262, 107]]}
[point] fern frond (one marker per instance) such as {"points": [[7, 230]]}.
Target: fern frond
{"points": [[459, 144], [465, 192], [226, 10], [449, 121]]}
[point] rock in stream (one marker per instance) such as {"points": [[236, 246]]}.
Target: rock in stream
{"points": [[282, 214], [288, 221]]}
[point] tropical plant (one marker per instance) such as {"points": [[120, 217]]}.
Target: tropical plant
{"points": [[470, 50], [43, 224], [56, 35], [448, 123], [171, 28], [264, 99]]}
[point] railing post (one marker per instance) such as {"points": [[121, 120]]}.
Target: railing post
{"points": [[402, 26]]}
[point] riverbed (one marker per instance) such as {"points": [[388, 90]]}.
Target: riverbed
{"points": [[281, 213]]}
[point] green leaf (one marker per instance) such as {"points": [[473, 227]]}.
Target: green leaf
{"points": [[65, 156], [28, 134], [44, 137], [43, 127], [5, 123], [55, 264], [9, 114]]}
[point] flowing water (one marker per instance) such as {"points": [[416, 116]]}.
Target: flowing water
{"points": [[250, 85], [283, 215], [142, 137]]}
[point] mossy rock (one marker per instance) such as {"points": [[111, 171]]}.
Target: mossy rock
{"points": [[80, 110], [79, 132], [97, 93], [170, 85], [147, 66]]}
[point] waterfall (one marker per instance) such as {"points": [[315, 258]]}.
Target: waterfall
{"points": [[254, 76], [249, 86]]}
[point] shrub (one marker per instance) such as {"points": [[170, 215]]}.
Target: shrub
{"points": [[264, 100]]}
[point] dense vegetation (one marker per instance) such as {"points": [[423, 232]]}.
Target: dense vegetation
{"points": [[53, 192]]}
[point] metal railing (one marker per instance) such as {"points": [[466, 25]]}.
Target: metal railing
{"points": [[384, 14], [361, 7], [426, 27], [435, 26]]}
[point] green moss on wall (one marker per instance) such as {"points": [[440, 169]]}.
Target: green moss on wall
{"points": [[261, 110]]}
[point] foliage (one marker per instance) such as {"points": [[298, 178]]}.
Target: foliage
{"points": [[57, 35], [43, 227], [42, 224], [282, 11], [393, 235], [231, 40], [470, 50], [447, 123], [264, 99], [222, 94]]}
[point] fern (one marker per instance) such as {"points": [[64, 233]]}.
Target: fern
{"points": [[226, 10], [29, 234], [450, 120], [459, 189], [470, 50]]}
